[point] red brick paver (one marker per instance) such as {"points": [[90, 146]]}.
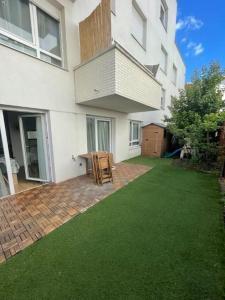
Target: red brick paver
{"points": [[30, 215]]}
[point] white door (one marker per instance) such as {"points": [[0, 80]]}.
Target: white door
{"points": [[6, 178], [33, 138]]}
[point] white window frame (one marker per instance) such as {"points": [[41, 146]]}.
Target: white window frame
{"points": [[164, 7], [6, 153], [163, 99], [133, 142], [96, 119], [174, 75], [45, 146], [143, 17], [163, 50], [35, 44]]}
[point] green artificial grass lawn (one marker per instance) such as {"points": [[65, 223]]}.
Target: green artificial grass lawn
{"points": [[160, 237]]}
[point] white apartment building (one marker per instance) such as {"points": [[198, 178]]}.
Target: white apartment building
{"points": [[222, 88], [79, 76], [161, 51]]}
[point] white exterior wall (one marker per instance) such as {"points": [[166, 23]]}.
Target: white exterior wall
{"points": [[113, 73], [222, 88], [157, 36], [133, 83], [30, 84], [96, 78], [69, 137]]}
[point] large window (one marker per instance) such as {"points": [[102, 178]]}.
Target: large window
{"points": [[139, 24], [98, 134], [163, 99], [25, 27], [164, 60], [15, 18], [135, 133], [164, 14], [174, 75]]}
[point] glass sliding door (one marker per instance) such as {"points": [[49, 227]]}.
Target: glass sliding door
{"points": [[103, 135], [33, 138], [91, 139], [6, 179], [98, 134]]}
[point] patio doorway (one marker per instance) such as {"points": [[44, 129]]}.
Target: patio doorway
{"points": [[99, 132], [33, 147], [25, 151], [6, 179]]}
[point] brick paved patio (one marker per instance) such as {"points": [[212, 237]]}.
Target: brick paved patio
{"points": [[30, 215]]}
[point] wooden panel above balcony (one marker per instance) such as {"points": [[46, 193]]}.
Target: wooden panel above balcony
{"points": [[95, 31]]}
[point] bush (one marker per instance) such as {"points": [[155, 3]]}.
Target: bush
{"points": [[198, 113]]}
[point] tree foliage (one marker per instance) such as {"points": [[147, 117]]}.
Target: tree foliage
{"points": [[197, 114]]}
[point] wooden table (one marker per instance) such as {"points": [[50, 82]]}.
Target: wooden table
{"points": [[88, 159]]}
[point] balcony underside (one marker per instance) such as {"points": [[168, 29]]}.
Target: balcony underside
{"points": [[116, 81], [118, 103]]}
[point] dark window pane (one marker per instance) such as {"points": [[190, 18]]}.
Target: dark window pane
{"points": [[15, 18], [48, 30]]}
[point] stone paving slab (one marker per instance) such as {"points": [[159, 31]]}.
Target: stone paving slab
{"points": [[28, 216]]}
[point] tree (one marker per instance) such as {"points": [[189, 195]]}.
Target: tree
{"points": [[197, 114]]}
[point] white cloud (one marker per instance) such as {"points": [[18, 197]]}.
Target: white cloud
{"points": [[189, 23], [191, 45], [180, 25], [198, 49], [194, 48], [184, 40]]}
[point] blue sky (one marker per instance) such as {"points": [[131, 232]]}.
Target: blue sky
{"points": [[201, 33]]}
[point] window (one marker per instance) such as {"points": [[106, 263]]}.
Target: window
{"points": [[164, 59], [163, 99], [164, 14], [15, 18], [174, 75], [222, 87], [25, 27], [98, 134], [135, 133], [139, 25]]}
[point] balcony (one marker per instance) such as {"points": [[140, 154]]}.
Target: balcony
{"points": [[115, 80], [108, 76]]}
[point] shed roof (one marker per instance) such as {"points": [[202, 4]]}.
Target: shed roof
{"points": [[156, 124]]}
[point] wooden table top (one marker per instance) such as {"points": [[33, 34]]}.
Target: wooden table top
{"points": [[85, 155], [88, 155]]}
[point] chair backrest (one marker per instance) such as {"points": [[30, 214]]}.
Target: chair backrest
{"points": [[103, 162], [102, 167], [94, 165]]}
